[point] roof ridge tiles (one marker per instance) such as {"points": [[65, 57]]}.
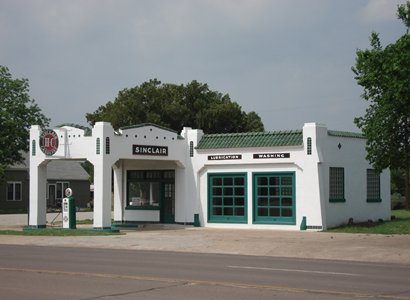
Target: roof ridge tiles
{"points": [[296, 131], [251, 139]]}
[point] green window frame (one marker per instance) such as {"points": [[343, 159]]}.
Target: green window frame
{"points": [[336, 184], [97, 146], [372, 186], [107, 145], [309, 146], [33, 148], [191, 149], [227, 198], [274, 198]]}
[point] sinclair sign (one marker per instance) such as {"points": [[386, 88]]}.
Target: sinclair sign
{"points": [[150, 150], [48, 142]]}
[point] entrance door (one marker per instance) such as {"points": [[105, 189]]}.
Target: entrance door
{"points": [[167, 212]]}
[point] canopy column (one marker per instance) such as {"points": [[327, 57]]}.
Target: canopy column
{"points": [[38, 201], [102, 195], [118, 191]]}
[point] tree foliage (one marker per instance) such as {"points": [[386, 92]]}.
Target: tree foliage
{"points": [[17, 113], [175, 106], [384, 73]]}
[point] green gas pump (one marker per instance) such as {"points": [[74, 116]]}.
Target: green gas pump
{"points": [[68, 208]]}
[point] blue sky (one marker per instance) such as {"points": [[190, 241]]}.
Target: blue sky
{"points": [[288, 60]]}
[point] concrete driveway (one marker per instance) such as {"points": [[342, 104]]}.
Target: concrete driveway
{"points": [[317, 245]]}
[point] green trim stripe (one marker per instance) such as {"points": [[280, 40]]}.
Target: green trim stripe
{"points": [[346, 134]]}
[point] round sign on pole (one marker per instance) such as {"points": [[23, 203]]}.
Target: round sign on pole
{"points": [[68, 192], [48, 142]]}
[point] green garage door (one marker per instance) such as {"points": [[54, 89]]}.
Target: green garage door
{"points": [[227, 202], [274, 198]]}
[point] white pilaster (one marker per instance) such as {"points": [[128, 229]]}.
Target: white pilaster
{"points": [[38, 201], [102, 196], [181, 205], [118, 192], [103, 162], [312, 180], [38, 182]]}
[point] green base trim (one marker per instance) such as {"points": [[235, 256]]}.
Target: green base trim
{"points": [[274, 223], [303, 225], [142, 208], [197, 223], [105, 229], [228, 221], [127, 225]]}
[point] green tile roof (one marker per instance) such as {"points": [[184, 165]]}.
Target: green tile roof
{"points": [[346, 134], [251, 139]]}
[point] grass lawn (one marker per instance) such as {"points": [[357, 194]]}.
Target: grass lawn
{"points": [[399, 225], [57, 232], [8, 211]]}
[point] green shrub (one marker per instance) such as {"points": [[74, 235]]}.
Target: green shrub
{"points": [[397, 201]]}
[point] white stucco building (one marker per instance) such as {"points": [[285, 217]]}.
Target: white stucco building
{"points": [[271, 180]]}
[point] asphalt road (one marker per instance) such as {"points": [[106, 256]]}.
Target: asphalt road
{"points": [[33, 272]]}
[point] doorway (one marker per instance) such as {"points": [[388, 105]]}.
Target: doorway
{"points": [[52, 195], [152, 190], [167, 211]]}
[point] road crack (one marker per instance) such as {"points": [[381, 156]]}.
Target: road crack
{"points": [[139, 291]]}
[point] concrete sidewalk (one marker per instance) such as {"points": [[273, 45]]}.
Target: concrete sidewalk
{"points": [[317, 245]]}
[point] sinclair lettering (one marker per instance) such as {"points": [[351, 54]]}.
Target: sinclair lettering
{"points": [[149, 150]]}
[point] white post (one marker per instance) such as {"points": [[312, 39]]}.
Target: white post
{"points": [[102, 195], [118, 192], [38, 185]]}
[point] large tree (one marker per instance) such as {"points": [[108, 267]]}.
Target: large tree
{"points": [[175, 106], [17, 113], [384, 73]]}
